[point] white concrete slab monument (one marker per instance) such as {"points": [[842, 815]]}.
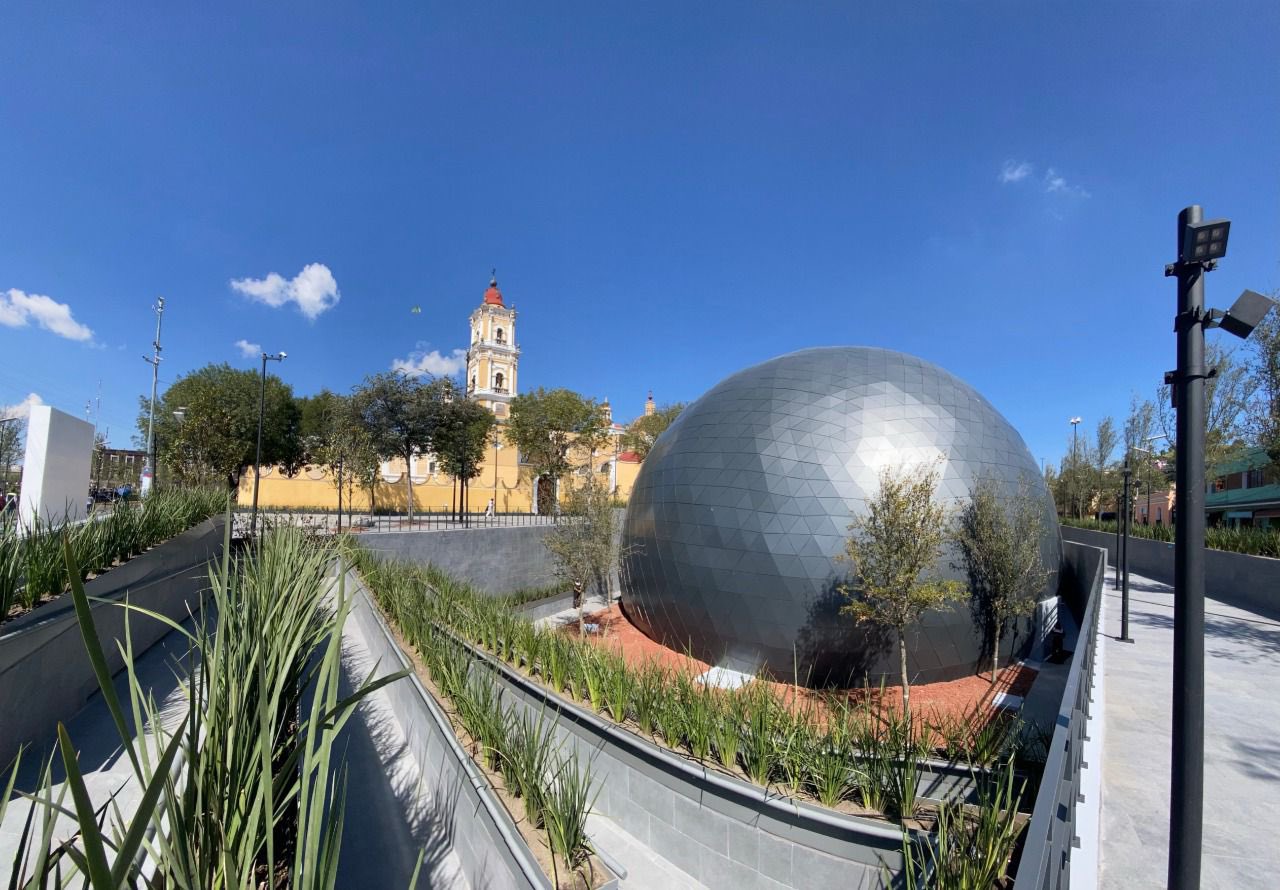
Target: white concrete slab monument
{"points": [[55, 470]]}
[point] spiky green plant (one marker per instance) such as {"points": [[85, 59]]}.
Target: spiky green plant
{"points": [[568, 800], [248, 766]]}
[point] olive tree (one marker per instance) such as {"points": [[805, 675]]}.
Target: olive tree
{"points": [[893, 548], [584, 542], [998, 539]]}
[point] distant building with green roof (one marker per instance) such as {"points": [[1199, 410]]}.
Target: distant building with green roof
{"points": [[1244, 492]]}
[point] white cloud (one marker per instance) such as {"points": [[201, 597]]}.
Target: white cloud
{"points": [[314, 289], [1054, 182], [1015, 171], [23, 408], [433, 363], [249, 350], [18, 309]]}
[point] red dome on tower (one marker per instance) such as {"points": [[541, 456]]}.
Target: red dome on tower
{"points": [[493, 296]]}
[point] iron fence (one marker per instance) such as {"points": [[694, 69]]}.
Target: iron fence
{"points": [[426, 520], [1052, 834]]}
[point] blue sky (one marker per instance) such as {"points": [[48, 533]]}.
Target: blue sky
{"points": [[670, 192]]}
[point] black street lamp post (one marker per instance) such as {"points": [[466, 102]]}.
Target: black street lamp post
{"points": [[257, 460], [1201, 243], [1123, 560]]}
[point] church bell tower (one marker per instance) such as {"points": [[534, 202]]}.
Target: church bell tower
{"points": [[492, 356]]}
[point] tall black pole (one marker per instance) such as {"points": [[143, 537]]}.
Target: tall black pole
{"points": [[1119, 498], [1186, 810], [257, 460], [1075, 467], [1123, 561]]}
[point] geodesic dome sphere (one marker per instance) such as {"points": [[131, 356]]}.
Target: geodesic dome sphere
{"points": [[741, 511]]}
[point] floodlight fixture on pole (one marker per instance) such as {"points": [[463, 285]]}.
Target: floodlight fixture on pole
{"points": [[1204, 241], [1245, 314], [257, 460]]}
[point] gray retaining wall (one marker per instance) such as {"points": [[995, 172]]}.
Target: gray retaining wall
{"points": [[490, 849], [45, 672], [720, 830], [496, 559], [1246, 582]]}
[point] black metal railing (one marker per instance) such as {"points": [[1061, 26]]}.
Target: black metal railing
{"points": [[1052, 834], [425, 520]]}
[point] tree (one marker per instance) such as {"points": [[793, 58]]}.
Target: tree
{"points": [[999, 542], [893, 548], [545, 425], [1227, 395], [1264, 367], [584, 543], [646, 429], [461, 439], [400, 414], [336, 440], [1101, 471], [217, 435], [11, 447]]}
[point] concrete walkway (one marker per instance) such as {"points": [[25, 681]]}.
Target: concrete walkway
{"points": [[1242, 743]]}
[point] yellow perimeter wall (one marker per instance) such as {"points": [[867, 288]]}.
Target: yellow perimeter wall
{"points": [[513, 492]]}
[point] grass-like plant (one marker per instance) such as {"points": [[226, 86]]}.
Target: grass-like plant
{"points": [[10, 568], [971, 846], [568, 799], [527, 762], [34, 564], [246, 789]]}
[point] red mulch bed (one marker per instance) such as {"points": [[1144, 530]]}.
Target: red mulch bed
{"points": [[968, 697]]}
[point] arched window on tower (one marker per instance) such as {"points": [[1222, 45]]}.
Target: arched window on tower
{"points": [[499, 382], [473, 383], [500, 336]]}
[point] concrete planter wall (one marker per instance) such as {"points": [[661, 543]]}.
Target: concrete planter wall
{"points": [[45, 674], [720, 830], [1246, 582], [497, 560], [490, 849]]}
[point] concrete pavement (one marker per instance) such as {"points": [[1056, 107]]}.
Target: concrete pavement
{"points": [[1242, 743]]}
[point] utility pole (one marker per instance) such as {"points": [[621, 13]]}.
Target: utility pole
{"points": [[149, 468]]}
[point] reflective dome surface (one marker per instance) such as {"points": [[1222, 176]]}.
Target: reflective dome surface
{"points": [[741, 510]]}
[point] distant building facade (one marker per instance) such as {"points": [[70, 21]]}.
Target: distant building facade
{"points": [[113, 467], [493, 358], [1244, 492]]}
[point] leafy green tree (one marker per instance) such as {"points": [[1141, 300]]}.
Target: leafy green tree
{"points": [[216, 436], [646, 429], [461, 439], [999, 541], [1264, 367], [11, 447], [1102, 471], [548, 425], [1228, 395], [337, 440], [401, 413], [585, 543], [893, 548]]}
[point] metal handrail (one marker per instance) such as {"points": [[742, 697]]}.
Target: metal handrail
{"points": [[1051, 836]]}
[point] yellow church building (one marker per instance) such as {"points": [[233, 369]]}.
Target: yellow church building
{"points": [[493, 358]]}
